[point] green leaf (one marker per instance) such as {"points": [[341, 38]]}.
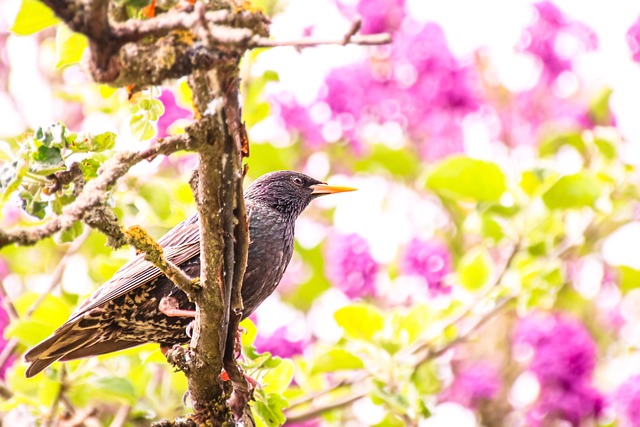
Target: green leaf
{"points": [[33, 206], [111, 389], [475, 269], [277, 380], [103, 141], [425, 378], [531, 181], [416, 321], [69, 46], [157, 197], [52, 136], [69, 235], [550, 146], [47, 160], [141, 127], [251, 332], [336, 359], [10, 179], [28, 332], [360, 321], [599, 109], [52, 310], [608, 148], [84, 142], [270, 409], [32, 17], [572, 191], [467, 178], [89, 168], [629, 278]]}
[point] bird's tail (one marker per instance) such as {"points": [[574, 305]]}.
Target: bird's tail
{"points": [[70, 342], [64, 340]]}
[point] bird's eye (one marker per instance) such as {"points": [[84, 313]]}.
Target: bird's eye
{"points": [[297, 181]]}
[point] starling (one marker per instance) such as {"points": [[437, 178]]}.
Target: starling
{"points": [[140, 304]]}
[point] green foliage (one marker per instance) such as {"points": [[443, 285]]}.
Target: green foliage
{"points": [[465, 178], [475, 269], [360, 321], [69, 46], [47, 151], [572, 191], [336, 359], [145, 113], [32, 17]]}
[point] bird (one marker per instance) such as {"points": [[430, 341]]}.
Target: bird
{"points": [[139, 304]]}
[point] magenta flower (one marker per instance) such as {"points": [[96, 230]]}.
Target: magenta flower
{"points": [[297, 119], [472, 384], [380, 15], [573, 402], [350, 266], [633, 39], [626, 401], [172, 112], [543, 39], [4, 322], [429, 260], [563, 349], [564, 357], [417, 84], [278, 344]]}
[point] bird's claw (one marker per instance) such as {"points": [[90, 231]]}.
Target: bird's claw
{"points": [[189, 329]]}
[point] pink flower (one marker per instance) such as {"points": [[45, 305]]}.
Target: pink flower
{"points": [[543, 39], [564, 357], [350, 266], [626, 401], [429, 260], [278, 344], [633, 39], [172, 112], [297, 119], [573, 402], [473, 383], [416, 83]]}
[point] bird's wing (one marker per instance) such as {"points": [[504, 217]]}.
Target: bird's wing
{"points": [[180, 244]]}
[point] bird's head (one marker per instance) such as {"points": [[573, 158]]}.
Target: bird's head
{"points": [[289, 192]]}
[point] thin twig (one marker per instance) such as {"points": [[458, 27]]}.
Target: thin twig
{"points": [[365, 40], [316, 411], [49, 420], [433, 354], [121, 416], [355, 27], [455, 319], [56, 277]]}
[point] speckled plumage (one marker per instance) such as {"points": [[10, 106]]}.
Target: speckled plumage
{"points": [[124, 311]]}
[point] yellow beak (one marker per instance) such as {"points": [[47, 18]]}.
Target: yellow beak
{"points": [[329, 189]]}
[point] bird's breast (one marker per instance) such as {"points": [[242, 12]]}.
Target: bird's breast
{"points": [[270, 250]]}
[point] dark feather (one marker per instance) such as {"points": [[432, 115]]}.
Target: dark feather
{"points": [[124, 312]]}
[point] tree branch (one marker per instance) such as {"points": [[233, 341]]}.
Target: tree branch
{"points": [[94, 194], [366, 40]]}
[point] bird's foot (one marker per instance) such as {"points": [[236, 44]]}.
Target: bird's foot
{"points": [[253, 383], [169, 306], [189, 329]]}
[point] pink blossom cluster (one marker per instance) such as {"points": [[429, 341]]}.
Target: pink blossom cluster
{"points": [[474, 383], [350, 266], [430, 261], [418, 85], [564, 357]]}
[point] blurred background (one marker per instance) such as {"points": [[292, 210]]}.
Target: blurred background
{"points": [[487, 272]]}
